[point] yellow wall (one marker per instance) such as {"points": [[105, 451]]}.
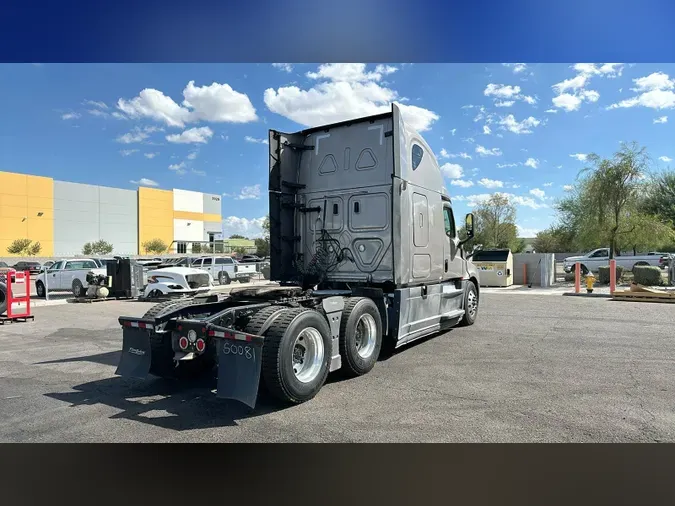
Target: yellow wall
{"points": [[186, 215], [23, 196], [155, 216]]}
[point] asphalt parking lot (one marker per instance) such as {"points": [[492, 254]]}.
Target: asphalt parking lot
{"points": [[533, 368]]}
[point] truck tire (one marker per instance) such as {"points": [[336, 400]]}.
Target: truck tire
{"points": [[360, 336], [223, 278], [164, 308], [296, 355], [3, 297], [78, 289], [470, 305], [40, 289], [258, 326]]}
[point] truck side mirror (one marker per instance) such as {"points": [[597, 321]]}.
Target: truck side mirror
{"points": [[468, 225]]}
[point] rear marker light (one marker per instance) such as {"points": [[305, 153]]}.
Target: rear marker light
{"points": [[183, 343], [201, 345]]}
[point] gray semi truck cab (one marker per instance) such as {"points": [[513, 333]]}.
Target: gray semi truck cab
{"points": [[365, 252]]}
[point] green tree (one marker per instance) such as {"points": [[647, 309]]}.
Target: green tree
{"points": [[262, 246], [24, 247], [612, 188], [156, 246], [660, 197], [495, 224], [238, 236], [99, 247]]}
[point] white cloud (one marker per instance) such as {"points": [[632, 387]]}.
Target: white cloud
{"points": [[453, 131], [150, 155], [662, 119], [547, 185], [524, 127], [501, 91], [514, 185], [486, 130], [246, 193], [70, 115], [213, 103], [93, 103], [571, 93], [551, 111], [343, 91], [517, 67], [506, 95], [506, 165], [178, 168], [444, 154], [655, 91], [531, 162], [540, 194], [579, 156], [243, 226], [491, 183], [461, 182], [568, 187], [482, 151], [475, 200], [127, 152], [200, 135], [286, 67], [665, 159], [145, 182], [470, 140], [452, 170], [253, 140], [137, 134], [527, 231]]}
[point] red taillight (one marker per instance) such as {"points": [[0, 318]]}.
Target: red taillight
{"points": [[183, 343], [201, 345]]}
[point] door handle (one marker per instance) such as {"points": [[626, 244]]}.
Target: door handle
{"points": [[446, 265]]}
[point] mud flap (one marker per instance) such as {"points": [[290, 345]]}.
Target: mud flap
{"points": [[239, 366], [136, 353]]}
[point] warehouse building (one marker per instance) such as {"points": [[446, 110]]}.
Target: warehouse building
{"points": [[63, 216]]}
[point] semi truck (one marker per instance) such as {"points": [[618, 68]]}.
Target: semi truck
{"points": [[365, 258]]}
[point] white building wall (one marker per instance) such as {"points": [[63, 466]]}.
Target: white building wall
{"points": [[185, 200], [188, 230]]}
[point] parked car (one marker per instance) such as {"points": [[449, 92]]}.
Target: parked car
{"points": [[225, 269], [591, 261], [27, 265], [176, 281], [47, 264], [66, 275], [250, 259], [3, 265]]}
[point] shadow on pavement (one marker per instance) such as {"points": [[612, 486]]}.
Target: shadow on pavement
{"points": [[169, 404]]}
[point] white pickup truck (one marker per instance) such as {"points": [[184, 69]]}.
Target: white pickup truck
{"points": [[66, 275], [590, 262], [225, 269]]}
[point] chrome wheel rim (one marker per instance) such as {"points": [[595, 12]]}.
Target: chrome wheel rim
{"points": [[472, 303], [366, 336], [308, 355]]}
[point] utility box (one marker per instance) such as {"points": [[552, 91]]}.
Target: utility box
{"points": [[495, 267]]}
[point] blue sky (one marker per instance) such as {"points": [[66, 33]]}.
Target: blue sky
{"points": [[520, 129]]}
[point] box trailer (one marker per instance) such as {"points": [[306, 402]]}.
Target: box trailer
{"points": [[365, 251]]}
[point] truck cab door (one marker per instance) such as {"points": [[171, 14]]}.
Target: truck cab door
{"points": [[53, 276], [453, 264], [207, 265]]}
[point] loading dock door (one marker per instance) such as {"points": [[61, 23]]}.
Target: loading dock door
{"points": [[495, 267]]}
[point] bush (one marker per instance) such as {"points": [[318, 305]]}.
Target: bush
{"points": [[196, 247], [100, 247], [647, 275], [603, 274], [155, 246], [24, 247]]}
